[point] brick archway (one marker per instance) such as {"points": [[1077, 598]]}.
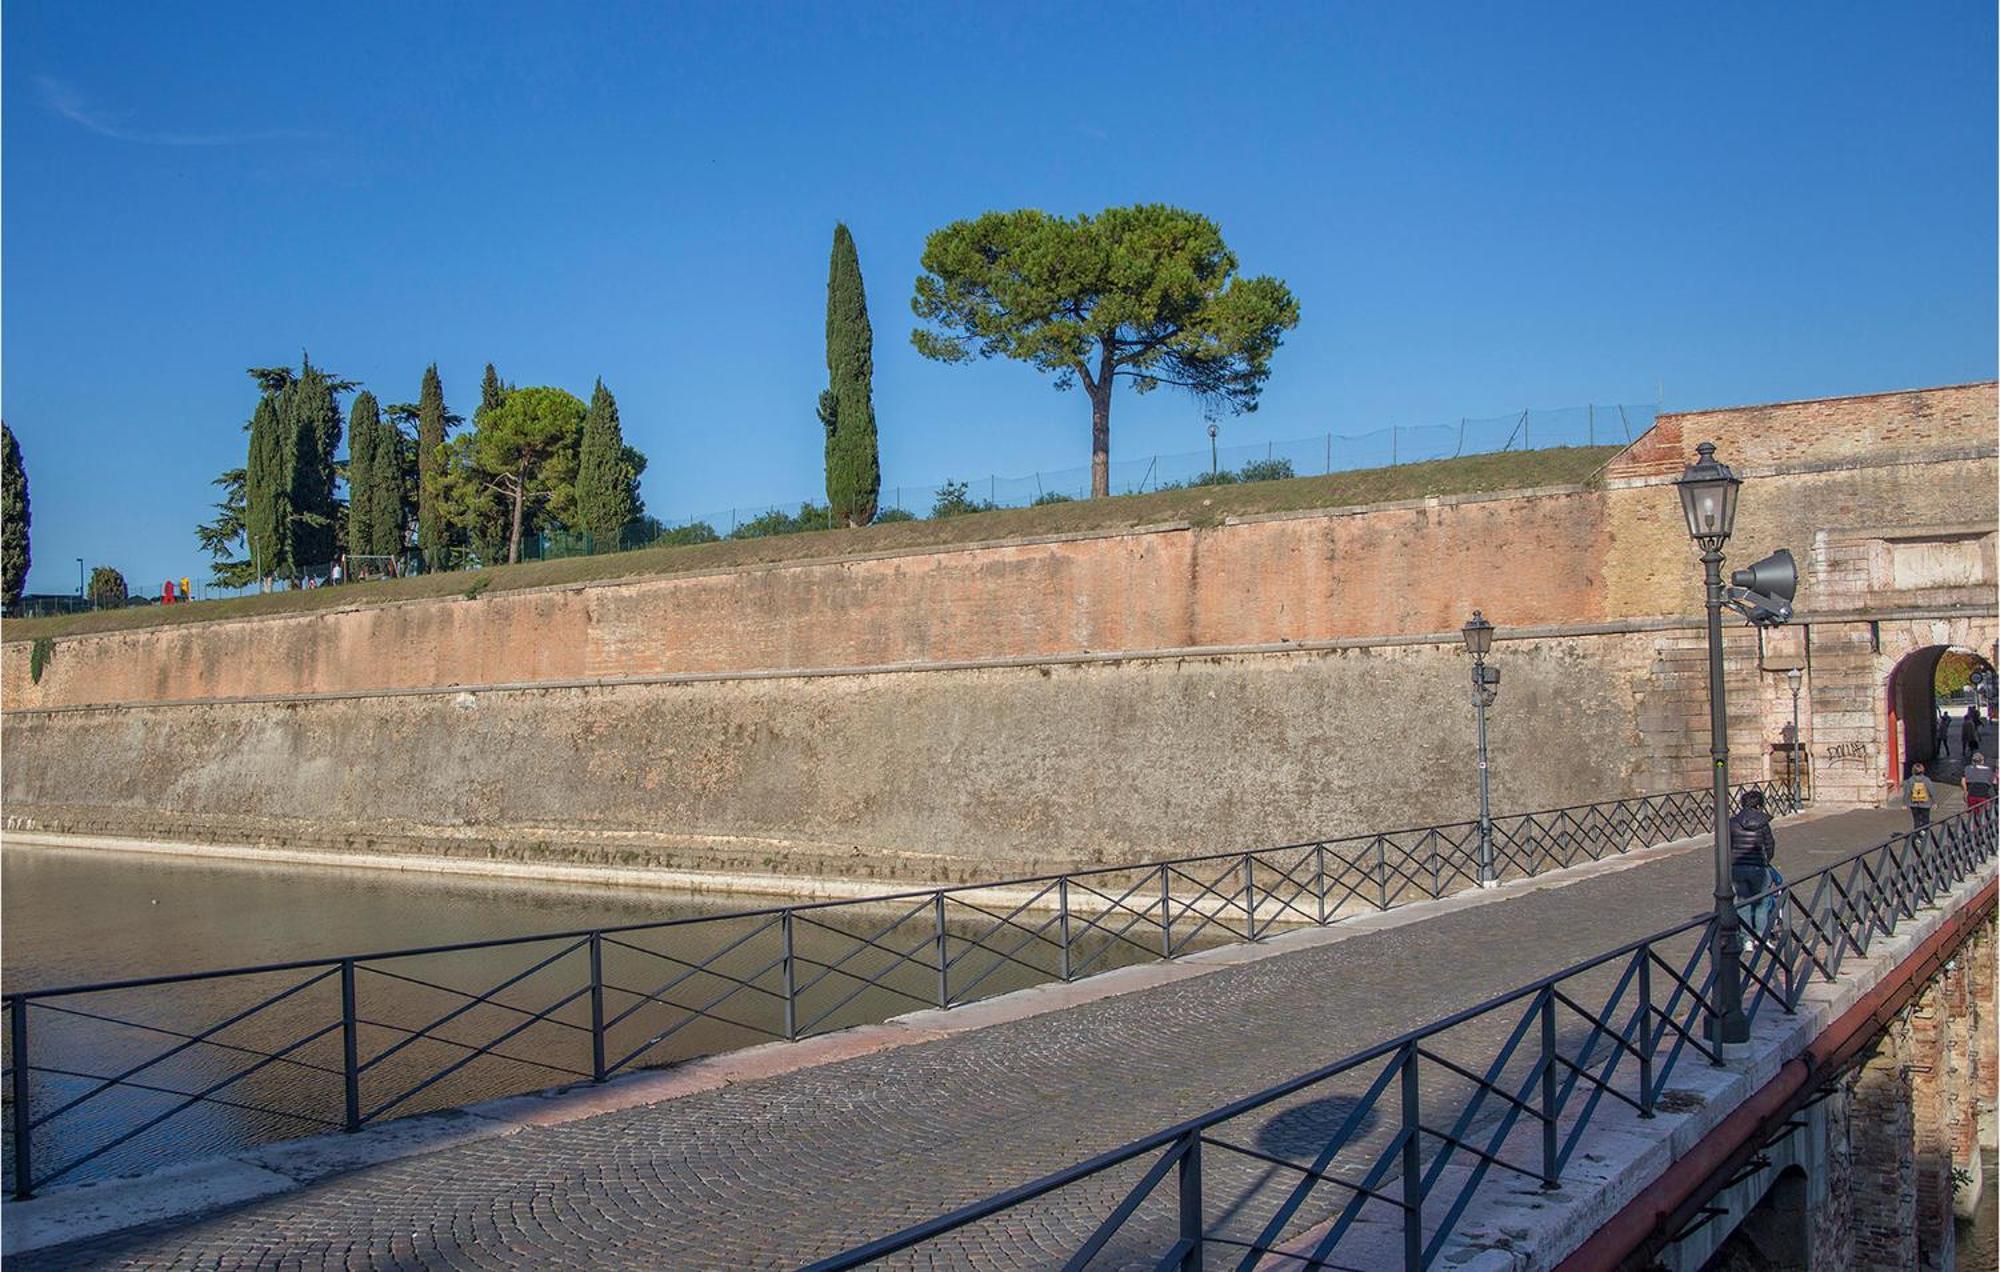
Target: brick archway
{"points": [[1910, 701]]}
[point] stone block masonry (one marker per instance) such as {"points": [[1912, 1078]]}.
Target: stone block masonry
{"points": [[1043, 703]]}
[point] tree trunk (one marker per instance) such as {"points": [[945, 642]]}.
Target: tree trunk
{"points": [[514, 536], [1100, 440]]}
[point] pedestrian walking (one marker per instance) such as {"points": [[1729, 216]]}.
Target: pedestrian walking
{"points": [[1968, 732], [1978, 781], [1751, 848], [1917, 794], [1943, 735]]}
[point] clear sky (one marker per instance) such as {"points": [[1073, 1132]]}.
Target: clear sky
{"points": [[1480, 207]]}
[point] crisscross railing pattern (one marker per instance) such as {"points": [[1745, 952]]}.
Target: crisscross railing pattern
{"points": [[1404, 1134], [114, 1077]]}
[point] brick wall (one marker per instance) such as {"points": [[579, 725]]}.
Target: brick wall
{"points": [[1156, 740]]}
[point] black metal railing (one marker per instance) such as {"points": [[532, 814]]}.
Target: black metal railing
{"points": [[1411, 1128], [122, 1075]]}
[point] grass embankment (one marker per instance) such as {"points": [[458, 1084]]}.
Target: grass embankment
{"points": [[1202, 505]]}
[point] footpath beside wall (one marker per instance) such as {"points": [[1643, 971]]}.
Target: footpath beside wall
{"points": [[1031, 704]]}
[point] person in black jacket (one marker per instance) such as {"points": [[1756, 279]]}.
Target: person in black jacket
{"points": [[1751, 848]]}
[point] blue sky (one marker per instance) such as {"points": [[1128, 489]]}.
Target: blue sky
{"points": [[1480, 208]]}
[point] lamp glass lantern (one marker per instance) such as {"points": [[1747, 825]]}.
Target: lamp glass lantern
{"points": [[1793, 677], [1478, 635], [1708, 498]]}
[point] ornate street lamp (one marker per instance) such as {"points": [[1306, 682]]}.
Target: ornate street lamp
{"points": [[1763, 594], [1708, 498], [1795, 678], [1478, 635]]}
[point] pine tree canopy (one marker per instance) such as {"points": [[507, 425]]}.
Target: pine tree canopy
{"points": [[1149, 293], [853, 466], [15, 556], [528, 447]]}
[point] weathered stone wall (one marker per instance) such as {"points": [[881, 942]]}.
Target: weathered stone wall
{"points": [[1042, 702], [937, 774]]}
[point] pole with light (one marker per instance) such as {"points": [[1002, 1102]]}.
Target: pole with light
{"points": [[1762, 593], [1478, 635], [1795, 678]]}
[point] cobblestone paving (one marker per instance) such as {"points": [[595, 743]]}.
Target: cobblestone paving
{"points": [[775, 1172]]}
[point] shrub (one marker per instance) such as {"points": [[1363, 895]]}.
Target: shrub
{"points": [[107, 588], [691, 533], [1266, 470], [38, 657], [953, 500], [885, 515], [811, 516], [1051, 497]]}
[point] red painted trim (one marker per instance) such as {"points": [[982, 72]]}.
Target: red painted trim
{"points": [[1629, 1231]]}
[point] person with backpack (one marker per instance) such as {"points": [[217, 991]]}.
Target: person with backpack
{"points": [[1968, 731], [1978, 781], [1917, 794], [1751, 847]]}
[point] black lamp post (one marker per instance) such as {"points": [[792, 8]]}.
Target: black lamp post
{"points": [[1708, 498], [1478, 635], [1795, 678]]}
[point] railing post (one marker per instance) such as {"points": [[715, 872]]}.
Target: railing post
{"points": [[1166, 915], [1382, 868], [1250, 896], [1413, 1164], [1319, 879], [1549, 1180], [788, 964], [1062, 918], [24, 1130], [350, 1046], [1646, 1031], [597, 1006], [1192, 1227], [943, 952]]}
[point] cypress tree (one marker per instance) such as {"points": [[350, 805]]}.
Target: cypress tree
{"points": [[364, 427], [492, 395], [388, 516], [603, 481], [430, 464], [311, 419], [14, 554], [267, 490], [853, 467]]}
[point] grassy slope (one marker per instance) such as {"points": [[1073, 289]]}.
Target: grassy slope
{"points": [[1201, 505]]}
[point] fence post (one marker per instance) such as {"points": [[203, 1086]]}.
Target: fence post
{"points": [[597, 1006], [1319, 880], [789, 973], [1192, 1227], [1166, 915], [1250, 896], [1646, 1031], [1329, 454], [1382, 868], [943, 952], [1549, 1181], [1392, 445], [1062, 918], [24, 1130], [350, 1046], [1413, 1164]]}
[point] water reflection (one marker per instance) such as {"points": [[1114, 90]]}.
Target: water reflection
{"points": [[436, 1030]]}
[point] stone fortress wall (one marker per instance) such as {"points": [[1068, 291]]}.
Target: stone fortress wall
{"points": [[1016, 706]]}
